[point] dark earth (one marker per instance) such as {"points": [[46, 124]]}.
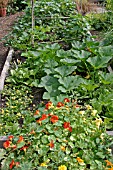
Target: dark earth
{"points": [[6, 24]]}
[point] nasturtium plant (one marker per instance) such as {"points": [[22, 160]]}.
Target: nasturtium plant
{"points": [[59, 137]]}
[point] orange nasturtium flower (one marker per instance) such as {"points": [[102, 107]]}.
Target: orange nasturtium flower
{"points": [[32, 132], [62, 148], [21, 139], [62, 167], [108, 163], [51, 144], [54, 118], [79, 160], [37, 112], [66, 100], [44, 116], [110, 168], [6, 144], [60, 104]]}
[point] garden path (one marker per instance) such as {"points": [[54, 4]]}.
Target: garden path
{"points": [[6, 24]]}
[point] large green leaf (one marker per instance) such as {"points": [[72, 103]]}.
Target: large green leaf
{"points": [[21, 144], [99, 62], [50, 66], [63, 54], [82, 55], [106, 78], [51, 84], [89, 85], [70, 61], [69, 83], [48, 81], [65, 70], [106, 50], [77, 45]]}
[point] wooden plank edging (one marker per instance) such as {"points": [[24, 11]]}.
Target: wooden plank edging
{"points": [[5, 70]]}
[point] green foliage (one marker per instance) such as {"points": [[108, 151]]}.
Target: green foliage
{"points": [[30, 72], [62, 134], [15, 5], [81, 71], [109, 4], [99, 21], [17, 103], [54, 22]]}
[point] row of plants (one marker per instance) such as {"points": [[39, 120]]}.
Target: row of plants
{"points": [[81, 71], [55, 21], [67, 130]]}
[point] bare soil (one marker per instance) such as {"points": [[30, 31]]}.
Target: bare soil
{"points": [[6, 24]]}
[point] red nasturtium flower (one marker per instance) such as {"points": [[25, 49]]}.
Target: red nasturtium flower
{"points": [[12, 164], [60, 104], [24, 148], [70, 129], [44, 116], [21, 139], [10, 137], [66, 100], [67, 126], [48, 105], [51, 144], [54, 118], [6, 144], [77, 106]]}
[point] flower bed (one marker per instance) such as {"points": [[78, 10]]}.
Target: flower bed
{"points": [[62, 136]]}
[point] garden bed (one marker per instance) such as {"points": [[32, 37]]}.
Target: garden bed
{"points": [[70, 120]]}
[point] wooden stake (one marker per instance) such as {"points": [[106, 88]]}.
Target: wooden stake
{"points": [[33, 22]]}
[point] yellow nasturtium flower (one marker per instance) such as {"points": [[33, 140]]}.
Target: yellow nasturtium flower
{"points": [[81, 112], [2, 111], [62, 167], [43, 164], [94, 112], [98, 122], [89, 107]]}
